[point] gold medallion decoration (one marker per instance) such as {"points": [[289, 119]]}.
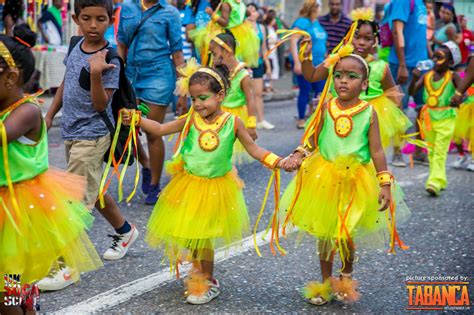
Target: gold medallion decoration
{"points": [[434, 94], [343, 125], [208, 139], [342, 117]]}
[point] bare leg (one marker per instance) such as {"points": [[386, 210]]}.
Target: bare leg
{"points": [[326, 259], [111, 212], [156, 146], [142, 155], [349, 260], [207, 266], [258, 89]]}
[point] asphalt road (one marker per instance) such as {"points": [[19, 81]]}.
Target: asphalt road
{"points": [[440, 235]]}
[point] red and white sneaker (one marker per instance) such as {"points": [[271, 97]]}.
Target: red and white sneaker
{"points": [[58, 279], [208, 296], [121, 244]]}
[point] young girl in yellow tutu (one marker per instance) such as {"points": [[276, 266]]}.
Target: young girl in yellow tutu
{"points": [[203, 206], [382, 93], [239, 100], [228, 14], [41, 214], [343, 186], [437, 117]]}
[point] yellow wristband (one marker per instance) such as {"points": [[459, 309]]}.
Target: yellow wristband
{"points": [[384, 178], [215, 18], [139, 117], [271, 160], [252, 122]]}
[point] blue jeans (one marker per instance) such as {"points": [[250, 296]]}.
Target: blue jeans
{"points": [[305, 91], [418, 97]]}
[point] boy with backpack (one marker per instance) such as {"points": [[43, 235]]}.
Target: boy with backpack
{"points": [[85, 97]]}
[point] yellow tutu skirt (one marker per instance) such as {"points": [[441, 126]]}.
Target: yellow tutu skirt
{"points": [[51, 223], [392, 121], [465, 124], [338, 204], [248, 43], [195, 215], [240, 155]]}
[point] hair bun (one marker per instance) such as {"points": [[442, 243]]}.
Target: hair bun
{"points": [[24, 35]]}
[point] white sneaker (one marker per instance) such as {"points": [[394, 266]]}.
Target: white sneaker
{"points": [[207, 297], [460, 160], [265, 125], [470, 167], [121, 244], [59, 279]]}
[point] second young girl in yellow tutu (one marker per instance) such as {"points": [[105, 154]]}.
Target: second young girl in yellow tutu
{"points": [[382, 92], [203, 206], [343, 186]]}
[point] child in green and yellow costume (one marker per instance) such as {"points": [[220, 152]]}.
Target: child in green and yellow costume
{"points": [[343, 189], [437, 117], [228, 14], [41, 213], [203, 207], [382, 93], [239, 100]]}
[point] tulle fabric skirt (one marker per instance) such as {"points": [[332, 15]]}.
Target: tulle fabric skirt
{"points": [[248, 43], [338, 204], [465, 124], [393, 123], [240, 155], [51, 223], [195, 215]]}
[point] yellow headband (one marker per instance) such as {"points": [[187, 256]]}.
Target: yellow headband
{"points": [[7, 56], [213, 74], [221, 43], [364, 62]]}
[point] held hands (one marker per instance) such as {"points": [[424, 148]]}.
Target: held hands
{"points": [[456, 100], [291, 162], [127, 115], [385, 197], [97, 62]]}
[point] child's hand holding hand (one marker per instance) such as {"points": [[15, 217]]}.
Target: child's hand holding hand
{"points": [[126, 116], [385, 197], [97, 62], [292, 162]]}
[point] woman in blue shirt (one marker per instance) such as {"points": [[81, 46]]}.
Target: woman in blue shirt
{"points": [[308, 22], [152, 50]]}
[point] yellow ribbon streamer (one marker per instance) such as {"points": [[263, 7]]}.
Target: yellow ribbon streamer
{"points": [[11, 190], [287, 35], [131, 138]]}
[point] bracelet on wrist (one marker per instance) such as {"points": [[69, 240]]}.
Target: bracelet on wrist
{"points": [[270, 160], [384, 178], [303, 151], [252, 122], [456, 92]]}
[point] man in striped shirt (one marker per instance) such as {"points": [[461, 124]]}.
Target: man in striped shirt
{"points": [[335, 23]]}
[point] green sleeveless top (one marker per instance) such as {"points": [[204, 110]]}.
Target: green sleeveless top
{"points": [[443, 100], [237, 14], [26, 160], [338, 139], [235, 96], [207, 149], [378, 69]]}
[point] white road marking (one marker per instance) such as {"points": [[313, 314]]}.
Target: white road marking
{"points": [[125, 292]]}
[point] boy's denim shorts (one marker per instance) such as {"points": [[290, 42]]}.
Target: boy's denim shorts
{"points": [[153, 84]]}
